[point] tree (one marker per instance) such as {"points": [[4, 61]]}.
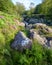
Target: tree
{"points": [[20, 8], [6, 6], [47, 7], [38, 9]]}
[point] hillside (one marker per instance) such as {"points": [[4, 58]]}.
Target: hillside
{"points": [[9, 27]]}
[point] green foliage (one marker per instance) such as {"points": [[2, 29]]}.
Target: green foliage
{"points": [[44, 8], [36, 56], [29, 13], [10, 8], [26, 32], [2, 40], [47, 7], [6, 6], [8, 28], [20, 8]]}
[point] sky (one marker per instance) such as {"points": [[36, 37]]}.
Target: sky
{"points": [[27, 2]]}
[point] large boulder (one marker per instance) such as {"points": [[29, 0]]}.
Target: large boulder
{"points": [[35, 35], [42, 27], [21, 42], [45, 41]]}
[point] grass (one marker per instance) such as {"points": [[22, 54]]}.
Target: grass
{"points": [[8, 27]]}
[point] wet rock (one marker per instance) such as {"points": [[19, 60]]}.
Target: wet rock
{"points": [[49, 42], [28, 27], [33, 21], [21, 42]]}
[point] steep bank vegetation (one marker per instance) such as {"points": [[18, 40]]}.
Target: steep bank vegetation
{"points": [[8, 28]]}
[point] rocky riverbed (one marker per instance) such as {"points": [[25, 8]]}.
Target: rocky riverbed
{"points": [[39, 31]]}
